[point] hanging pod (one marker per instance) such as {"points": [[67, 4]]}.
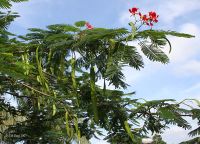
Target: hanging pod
{"points": [[67, 126], [128, 130], [54, 109], [67, 123], [25, 59], [73, 76], [54, 105], [62, 65], [78, 132], [41, 78], [93, 96]]}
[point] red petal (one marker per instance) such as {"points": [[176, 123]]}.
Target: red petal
{"points": [[88, 26]]}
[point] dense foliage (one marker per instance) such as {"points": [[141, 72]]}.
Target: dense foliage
{"points": [[52, 74]]}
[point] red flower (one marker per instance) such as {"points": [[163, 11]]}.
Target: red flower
{"points": [[153, 16], [88, 26], [144, 18], [133, 11], [147, 19]]}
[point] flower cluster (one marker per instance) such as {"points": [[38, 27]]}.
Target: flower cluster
{"points": [[88, 26], [133, 10], [148, 19]]}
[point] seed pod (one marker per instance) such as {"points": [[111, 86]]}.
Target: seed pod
{"points": [[73, 76], [93, 96], [78, 133], [128, 130], [67, 123]]}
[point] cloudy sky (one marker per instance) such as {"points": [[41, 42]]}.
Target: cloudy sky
{"points": [[179, 79]]}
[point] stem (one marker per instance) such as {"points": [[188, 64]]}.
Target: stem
{"points": [[29, 87], [73, 76]]}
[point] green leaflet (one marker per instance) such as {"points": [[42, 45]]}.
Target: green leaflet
{"points": [[112, 43], [80, 23], [154, 53], [167, 113], [161, 33], [93, 96], [63, 27], [5, 4], [49, 56], [76, 127], [128, 130], [54, 109], [74, 85], [26, 61], [197, 101], [38, 79], [62, 66], [54, 106], [38, 103], [6, 54], [133, 29], [46, 86], [67, 123], [109, 61], [42, 78]]}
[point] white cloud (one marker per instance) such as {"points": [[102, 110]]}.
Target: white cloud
{"points": [[184, 52], [189, 68], [183, 48], [172, 9], [176, 134]]}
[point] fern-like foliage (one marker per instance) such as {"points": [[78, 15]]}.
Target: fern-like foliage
{"points": [[8, 3]]}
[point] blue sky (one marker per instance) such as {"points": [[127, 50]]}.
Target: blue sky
{"points": [[179, 79]]}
